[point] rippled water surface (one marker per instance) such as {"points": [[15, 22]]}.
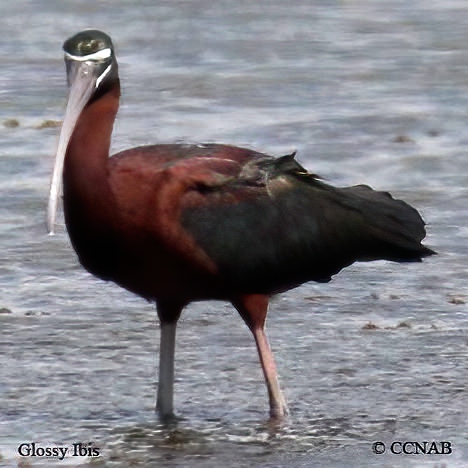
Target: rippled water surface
{"points": [[369, 92]]}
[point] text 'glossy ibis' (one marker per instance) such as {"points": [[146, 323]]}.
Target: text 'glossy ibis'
{"points": [[178, 223]]}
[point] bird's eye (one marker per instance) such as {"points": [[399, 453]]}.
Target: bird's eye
{"points": [[90, 46]]}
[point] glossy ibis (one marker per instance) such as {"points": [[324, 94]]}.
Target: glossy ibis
{"points": [[178, 223]]}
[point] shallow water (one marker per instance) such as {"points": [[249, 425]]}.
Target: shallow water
{"points": [[368, 92]]}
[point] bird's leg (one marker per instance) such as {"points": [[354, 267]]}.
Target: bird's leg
{"points": [[253, 309], [168, 317], [165, 399]]}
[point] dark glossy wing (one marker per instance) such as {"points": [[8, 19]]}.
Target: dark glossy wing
{"points": [[275, 226]]}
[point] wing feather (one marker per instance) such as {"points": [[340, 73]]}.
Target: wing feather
{"points": [[276, 226]]}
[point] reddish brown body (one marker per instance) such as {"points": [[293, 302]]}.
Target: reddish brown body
{"points": [[128, 208]]}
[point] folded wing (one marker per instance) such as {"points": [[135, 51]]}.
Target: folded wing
{"points": [[274, 226]]}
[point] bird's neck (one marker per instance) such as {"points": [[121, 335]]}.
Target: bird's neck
{"points": [[85, 181], [88, 150]]}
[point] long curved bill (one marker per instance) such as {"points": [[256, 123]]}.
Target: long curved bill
{"points": [[82, 85]]}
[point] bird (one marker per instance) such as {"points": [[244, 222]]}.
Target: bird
{"points": [[178, 223]]}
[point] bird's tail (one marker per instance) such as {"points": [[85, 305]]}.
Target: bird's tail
{"points": [[395, 229]]}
